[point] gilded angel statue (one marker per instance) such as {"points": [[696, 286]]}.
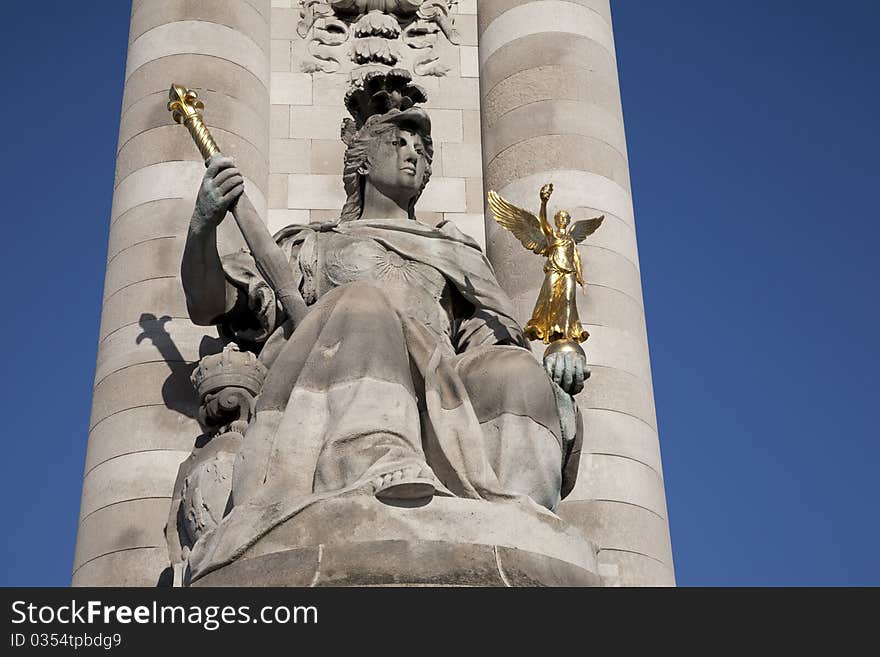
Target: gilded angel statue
{"points": [[555, 317]]}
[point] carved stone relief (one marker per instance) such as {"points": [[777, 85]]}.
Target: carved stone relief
{"points": [[384, 33]]}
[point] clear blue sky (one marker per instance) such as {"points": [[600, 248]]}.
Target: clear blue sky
{"points": [[753, 142]]}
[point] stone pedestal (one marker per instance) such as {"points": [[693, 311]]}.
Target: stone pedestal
{"points": [[448, 542]]}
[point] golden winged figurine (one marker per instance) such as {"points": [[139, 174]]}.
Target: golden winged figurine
{"points": [[555, 316]]}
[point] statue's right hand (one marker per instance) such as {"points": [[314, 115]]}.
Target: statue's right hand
{"points": [[546, 191], [221, 187]]}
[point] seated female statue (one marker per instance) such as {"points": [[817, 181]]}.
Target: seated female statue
{"points": [[407, 378]]}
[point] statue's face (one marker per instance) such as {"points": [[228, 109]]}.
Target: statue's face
{"points": [[562, 219], [398, 164]]}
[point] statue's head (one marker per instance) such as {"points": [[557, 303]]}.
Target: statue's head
{"points": [[562, 219], [391, 153], [389, 141]]}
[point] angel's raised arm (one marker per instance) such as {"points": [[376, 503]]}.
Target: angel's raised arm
{"points": [[546, 228]]}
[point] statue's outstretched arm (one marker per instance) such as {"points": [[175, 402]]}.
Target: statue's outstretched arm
{"points": [[546, 228]]}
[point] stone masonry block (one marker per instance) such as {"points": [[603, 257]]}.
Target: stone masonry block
{"points": [[610, 432], [138, 567], [547, 117], [124, 526], [327, 156], [239, 15], [289, 155], [169, 143], [150, 259], [462, 160], [129, 477], [225, 113], [456, 93], [541, 17], [466, 24], [328, 90], [546, 153], [546, 49], [316, 122], [291, 89], [279, 122], [612, 477], [283, 23], [474, 195], [202, 72], [198, 37], [277, 190], [155, 296], [315, 192], [446, 126], [153, 219], [280, 55], [278, 219], [552, 82], [619, 526], [154, 340], [444, 195], [147, 384], [470, 120], [633, 569], [144, 428]]}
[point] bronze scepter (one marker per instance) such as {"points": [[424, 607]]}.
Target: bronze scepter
{"points": [[186, 107]]}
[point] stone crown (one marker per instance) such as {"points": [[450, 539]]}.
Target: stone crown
{"points": [[230, 368]]}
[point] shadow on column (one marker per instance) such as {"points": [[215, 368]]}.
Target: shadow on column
{"points": [[177, 390]]}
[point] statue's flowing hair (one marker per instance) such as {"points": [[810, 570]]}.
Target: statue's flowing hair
{"points": [[357, 157]]}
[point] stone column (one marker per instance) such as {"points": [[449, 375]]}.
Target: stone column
{"points": [[551, 112], [142, 424]]}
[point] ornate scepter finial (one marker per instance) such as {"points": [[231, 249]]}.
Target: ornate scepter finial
{"points": [[186, 108]]}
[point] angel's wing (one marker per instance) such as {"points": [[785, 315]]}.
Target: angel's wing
{"points": [[581, 230], [522, 223]]}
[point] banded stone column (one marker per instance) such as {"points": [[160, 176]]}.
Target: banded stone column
{"points": [[551, 112], [143, 411]]}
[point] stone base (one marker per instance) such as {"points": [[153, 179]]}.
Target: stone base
{"points": [[449, 542]]}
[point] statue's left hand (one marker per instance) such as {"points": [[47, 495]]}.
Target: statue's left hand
{"points": [[568, 370]]}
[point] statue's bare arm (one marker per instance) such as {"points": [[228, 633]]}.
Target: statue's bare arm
{"points": [[546, 228], [208, 295]]}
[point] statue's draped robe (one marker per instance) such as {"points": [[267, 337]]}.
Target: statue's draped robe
{"points": [[409, 360]]}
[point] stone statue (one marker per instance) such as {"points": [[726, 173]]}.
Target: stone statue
{"points": [[555, 316], [406, 379]]}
